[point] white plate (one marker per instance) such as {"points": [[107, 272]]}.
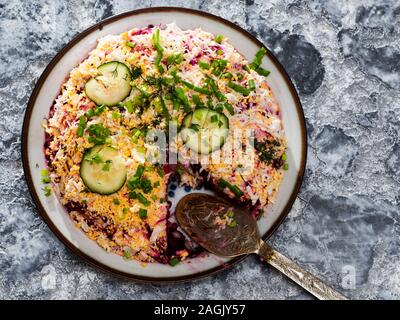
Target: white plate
{"points": [[48, 87]]}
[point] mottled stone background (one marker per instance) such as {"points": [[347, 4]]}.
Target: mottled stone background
{"points": [[344, 59]]}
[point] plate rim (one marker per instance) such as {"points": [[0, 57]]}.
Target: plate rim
{"points": [[98, 264]]}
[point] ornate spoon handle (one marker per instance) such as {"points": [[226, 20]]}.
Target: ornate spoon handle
{"points": [[293, 271]]}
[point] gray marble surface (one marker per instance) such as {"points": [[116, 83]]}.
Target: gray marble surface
{"points": [[344, 59]]}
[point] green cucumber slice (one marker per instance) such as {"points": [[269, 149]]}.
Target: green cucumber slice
{"points": [[204, 130], [111, 86], [103, 170]]}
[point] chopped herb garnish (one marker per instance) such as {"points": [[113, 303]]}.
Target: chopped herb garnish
{"points": [[44, 172], [131, 44], [154, 197], [81, 126], [99, 110], [175, 59], [93, 158], [142, 213], [136, 73], [159, 49], [98, 134], [284, 157], [204, 65], [132, 195], [197, 100], [125, 211], [229, 107], [238, 88], [240, 76], [127, 254], [180, 95], [215, 89], [116, 201], [220, 52], [227, 75], [89, 113], [235, 189], [139, 171], [47, 191], [285, 166], [106, 166], [262, 71], [45, 180], [174, 261], [116, 115], [256, 64], [142, 199], [232, 224], [252, 85], [195, 88], [156, 184], [230, 214], [214, 118], [219, 38], [219, 66]]}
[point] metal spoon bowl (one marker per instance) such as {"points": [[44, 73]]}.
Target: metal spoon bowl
{"points": [[229, 230]]}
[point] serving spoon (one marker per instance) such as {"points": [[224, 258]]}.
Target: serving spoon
{"points": [[229, 230]]}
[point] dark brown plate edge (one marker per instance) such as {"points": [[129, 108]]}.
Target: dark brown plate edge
{"points": [[98, 264]]}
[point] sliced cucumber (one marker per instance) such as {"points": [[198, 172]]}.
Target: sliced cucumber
{"points": [[111, 86], [103, 170], [204, 130]]}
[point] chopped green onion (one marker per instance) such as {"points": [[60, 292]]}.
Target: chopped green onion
{"points": [[44, 172], [165, 110], [136, 135], [252, 84], [195, 88], [285, 166], [204, 65], [227, 75], [45, 180], [116, 115], [240, 76], [174, 261], [215, 90], [230, 214], [132, 195], [142, 199], [139, 171], [238, 88], [116, 201], [258, 58], [214, 118], [131, 44], [284, 157], [159, 49], [47, 191], [89, 113], [125, 211], [129, 106], [142, 213], [219, 38], [232, 224], [180, 94], [156, 184], [99, 110], [175, 59], [127, 254], [197, 100], [160, 172], [81, 126], [154, 197], [219, 52], [106, 166], [229, 107], [219, 66], [235, 189], [262, 71]]}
